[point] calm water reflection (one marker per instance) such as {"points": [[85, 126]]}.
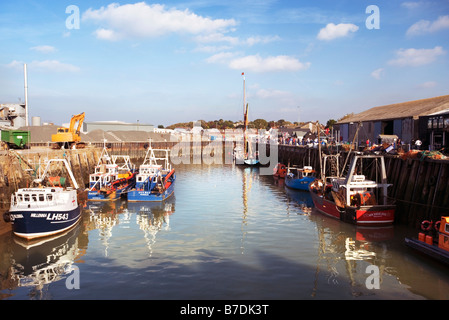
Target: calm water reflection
{"points": [[228, 233]]}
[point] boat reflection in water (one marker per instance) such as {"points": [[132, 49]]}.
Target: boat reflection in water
{"points": [[149, 217], [39, 263], [302, 198], [346, 251], [152, 218]]}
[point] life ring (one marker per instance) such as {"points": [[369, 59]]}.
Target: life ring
{"points": [[437, 225], [426, 225]]}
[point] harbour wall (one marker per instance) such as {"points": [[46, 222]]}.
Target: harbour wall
{"points": [[420, 186]]}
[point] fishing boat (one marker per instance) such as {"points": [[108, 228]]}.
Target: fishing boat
{"points": [[280, 171], [299, 178], [111, 179], [433, 241], [354, 198], [246, 155], [47, 207], [155, 181]]}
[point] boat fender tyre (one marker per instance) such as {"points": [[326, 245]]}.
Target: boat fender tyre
{"points": [[426, 225], [7, 217]]}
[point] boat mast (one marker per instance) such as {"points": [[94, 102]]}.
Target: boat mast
{"points": [[319, 151], [350, 148], [245, 116], [244, 93]]}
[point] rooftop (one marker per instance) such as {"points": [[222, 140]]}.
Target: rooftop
{"points": [[415, 109]]}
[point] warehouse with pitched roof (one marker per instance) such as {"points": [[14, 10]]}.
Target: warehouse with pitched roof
{"points": [[403, 121]]}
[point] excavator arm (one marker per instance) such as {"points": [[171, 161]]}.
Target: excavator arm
{"points": [[77, 118]]}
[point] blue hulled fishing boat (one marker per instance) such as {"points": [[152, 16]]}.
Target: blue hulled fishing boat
{"points": [[299, 178], [155, 181]]}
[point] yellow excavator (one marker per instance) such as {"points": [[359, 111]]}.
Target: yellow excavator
{"points": [[69, 138]]}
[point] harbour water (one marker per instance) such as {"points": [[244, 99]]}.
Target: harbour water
{"points": [[227, 233]]}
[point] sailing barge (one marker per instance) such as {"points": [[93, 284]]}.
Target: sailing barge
{"points": [[245, 155]]}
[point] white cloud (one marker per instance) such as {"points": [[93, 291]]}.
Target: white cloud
{"points": [[44, 49], [258, 39], [46, 65], [428, 84], [220, 57], [15, 64], [106, 34], [143, 20], [332, 31], [256, 63], [216, 37], [267, 94], [411, 5], [220, 37], [378, 73], [416, 57], [211, 49], [425, 26]]}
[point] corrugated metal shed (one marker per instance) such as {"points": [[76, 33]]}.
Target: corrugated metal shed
{"points": [[116, 126], [411, 109]]}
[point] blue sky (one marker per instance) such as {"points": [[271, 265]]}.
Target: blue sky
{"points": [[178, 61]]}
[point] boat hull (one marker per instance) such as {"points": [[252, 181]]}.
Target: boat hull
{"points": [[31, 224], [143, 195], [239, 159], [429, 250], [376, 215], [251, 162], [98, 195], [299, 184]]}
